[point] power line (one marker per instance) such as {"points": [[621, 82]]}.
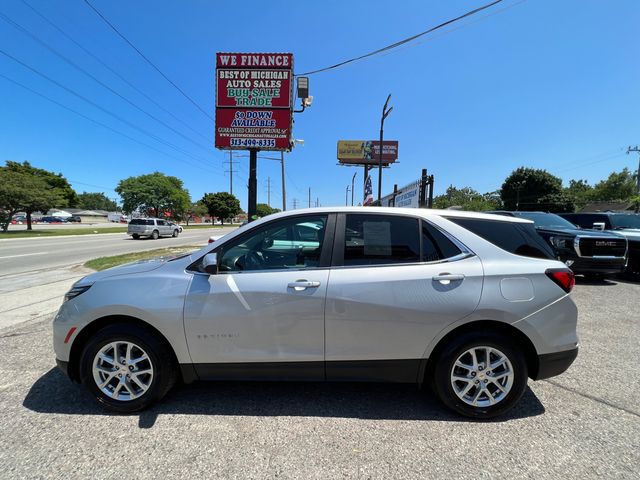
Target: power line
{"points": [[112, 70], [104, 125], [76, 94], [401, 42], [19, 27], [147, 60]]}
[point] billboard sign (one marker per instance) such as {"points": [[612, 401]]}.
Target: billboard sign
{"points": [[254, 99], [407, 197], [366, 152]]}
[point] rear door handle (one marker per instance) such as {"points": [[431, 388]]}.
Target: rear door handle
{"points": [[447, 278], [300, 285]]}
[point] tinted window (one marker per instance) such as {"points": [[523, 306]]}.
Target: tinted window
{"points": [[625, 221], [161, 222], [549, 220], [381, 239], [435, 245], [517, 238], [277, 245], [141, 221]]}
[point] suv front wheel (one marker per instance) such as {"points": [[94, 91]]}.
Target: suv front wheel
{"points": [[127, 368], [480, 375]]}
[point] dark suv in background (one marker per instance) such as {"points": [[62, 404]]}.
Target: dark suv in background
{"points": [[586, 252], [625, 224]]}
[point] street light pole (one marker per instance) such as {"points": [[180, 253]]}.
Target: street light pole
{"points": [[284, 193], [385, 112], [352, 180], [346, 197]]}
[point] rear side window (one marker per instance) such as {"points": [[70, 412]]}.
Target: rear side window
{"points": [[381, 239], [518, 238], [141, 221], [435, 245]]}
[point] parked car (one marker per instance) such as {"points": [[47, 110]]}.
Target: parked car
{"points": [[20, 219], [53, 220], [151, 227], [587, 252], [378, 294], [625, 224], [75, 219]]}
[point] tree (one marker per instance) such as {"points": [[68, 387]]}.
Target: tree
{"points": [[580, 192], [222, 205], [96, 201], [262, 210], [618, 186], [467, 198], [525, 187], [197, 209], [24, 191], [59, 192], [161, 195]]}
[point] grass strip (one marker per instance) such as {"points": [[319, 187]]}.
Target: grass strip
{"points": [[103, 263]]}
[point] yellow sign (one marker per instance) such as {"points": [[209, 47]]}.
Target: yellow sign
{"points": [[355, 150]]}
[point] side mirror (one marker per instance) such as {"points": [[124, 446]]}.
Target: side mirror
{"points": [[210, 263], [598, 225]]}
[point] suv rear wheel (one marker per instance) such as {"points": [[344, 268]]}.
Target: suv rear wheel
{"points": [[127, 368], [155, 235], [480, 375]]}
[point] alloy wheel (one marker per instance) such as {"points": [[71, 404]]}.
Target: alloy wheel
{"points": [[482, 376], [122, 371]]}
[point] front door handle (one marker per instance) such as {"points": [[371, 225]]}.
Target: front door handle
{"points": [[447, 278], [300, 285]]}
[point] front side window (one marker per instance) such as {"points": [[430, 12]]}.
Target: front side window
{"points": [[290, 243], [381, 239]]}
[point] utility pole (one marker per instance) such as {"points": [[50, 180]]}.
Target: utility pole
{"points": [[295, 203], [231, 171], [309, 197], [637, 150], [346, 197], [385, 113], [317, 202], [352, 186], [269, 191], [284, 194]]}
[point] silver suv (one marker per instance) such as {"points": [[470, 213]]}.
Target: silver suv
{"points": [[153, 228], [343, 294]]}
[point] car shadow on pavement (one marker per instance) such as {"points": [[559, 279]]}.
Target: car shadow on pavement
{"points": [[54, 393]]}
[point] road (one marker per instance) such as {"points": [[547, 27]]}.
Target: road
{"points": [[36, 272], [582, 424]]}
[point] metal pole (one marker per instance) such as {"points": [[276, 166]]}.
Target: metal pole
{"points": [[253, 184], [284, 194], [385, 112], [269, 191], [637, 150], [430, 201], [230, 172], [352, 189], [309, 197], [346, 197]]}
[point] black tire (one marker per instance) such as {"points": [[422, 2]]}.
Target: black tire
{"points": [[175, 233], [135, 236], [155, 235], [444, 364], [165, 371]]}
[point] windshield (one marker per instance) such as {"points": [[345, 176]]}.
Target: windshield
{"points": [[625, 221], [548, 220]]}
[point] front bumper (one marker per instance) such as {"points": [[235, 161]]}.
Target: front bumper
{"points": [[552, 364], [602, 266]]}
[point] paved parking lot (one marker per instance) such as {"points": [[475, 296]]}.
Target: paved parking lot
{"points": [[585, 423]]}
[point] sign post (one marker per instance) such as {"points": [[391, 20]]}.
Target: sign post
{"points": [[254, 107]]}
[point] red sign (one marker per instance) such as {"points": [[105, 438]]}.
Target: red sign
{"points": [[254, 93]]}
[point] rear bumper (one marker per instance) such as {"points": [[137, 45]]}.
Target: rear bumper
{"points": [[552, 364]]}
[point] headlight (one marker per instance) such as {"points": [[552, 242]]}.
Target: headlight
{"points": [[75, 291], [559, 242]]}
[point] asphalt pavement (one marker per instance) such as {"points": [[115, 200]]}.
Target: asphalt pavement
{"points": [[36, 272], [582, 424]]}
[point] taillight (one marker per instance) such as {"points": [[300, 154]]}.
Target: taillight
{"points": [[563, 277], [211, 240]]}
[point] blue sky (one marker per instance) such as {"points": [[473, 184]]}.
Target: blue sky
{"points": [[545, 84]]}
